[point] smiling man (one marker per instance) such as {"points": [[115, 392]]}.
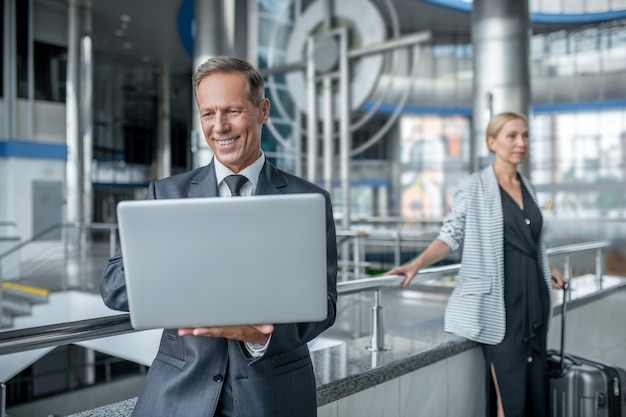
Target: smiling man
{"points": [[232, 113], [254, 370]]}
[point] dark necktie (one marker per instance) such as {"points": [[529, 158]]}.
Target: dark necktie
{"points": [[235, 183]]}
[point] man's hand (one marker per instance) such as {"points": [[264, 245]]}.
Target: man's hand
{"points": [[254, 333]]}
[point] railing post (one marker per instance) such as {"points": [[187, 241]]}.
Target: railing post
{"points": [[599, 265], [356, 260], [567, 271], [3, 399], [378, 327], [83, 256], [356, 256], [112, 242], [397, 254], [344, 254], [65, 231], [1, 287]]}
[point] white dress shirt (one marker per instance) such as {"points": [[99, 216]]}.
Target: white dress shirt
{"points": [[252, 173]]}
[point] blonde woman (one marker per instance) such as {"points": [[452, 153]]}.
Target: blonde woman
{"points": [[503, 297]]}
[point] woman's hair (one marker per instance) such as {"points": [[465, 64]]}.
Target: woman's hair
{"points": [[499, 120], [228, 65]]}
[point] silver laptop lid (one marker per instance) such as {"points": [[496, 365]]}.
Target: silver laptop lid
{"points": [[224, 261]]}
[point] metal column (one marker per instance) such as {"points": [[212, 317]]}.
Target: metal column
{"points": [[164, 147], [10, 70], [9, 50], [500, 37], [86, 114], [3, 399], [345, 134], [79, 104], [209, 41]]}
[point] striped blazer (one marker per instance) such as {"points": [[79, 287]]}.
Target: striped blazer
{"points": [[476, 308]]}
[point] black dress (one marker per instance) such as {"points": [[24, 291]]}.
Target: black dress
{"points": [[520, 359]]}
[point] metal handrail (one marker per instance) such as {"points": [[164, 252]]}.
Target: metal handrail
{"points": [[393, 281], [370, 220], [577, 247], [14, 341], [376, 284], [53, 335], [36, 237]]}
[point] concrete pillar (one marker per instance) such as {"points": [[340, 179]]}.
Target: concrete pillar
{"points": [[500, 38]]}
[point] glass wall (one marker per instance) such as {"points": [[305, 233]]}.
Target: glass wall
{"points": [[578, 162], [434, 156], [579, 99], [21, 34], [579, 66], [281, 138], [576, 6], [50, 61], [50, 72], [578, 131]]}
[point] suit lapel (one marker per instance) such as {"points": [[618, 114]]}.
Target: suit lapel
{"points": [[205, 183], [271, 181], [493, 200], [492, 192]]}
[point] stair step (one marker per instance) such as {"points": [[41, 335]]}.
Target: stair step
{"points": [[15, 307], [5, 321], [24, 292], [17, 300]]}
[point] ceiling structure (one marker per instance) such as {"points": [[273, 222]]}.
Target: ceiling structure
{"points": [[134, 39], [147, 31], [141, 30]]}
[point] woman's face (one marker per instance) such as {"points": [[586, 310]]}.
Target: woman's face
{"points": [[511, 143]]}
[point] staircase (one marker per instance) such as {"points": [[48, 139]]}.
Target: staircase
{"points": [[17, 300]]}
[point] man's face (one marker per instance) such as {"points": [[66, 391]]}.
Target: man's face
{"points": [[230, 122]]}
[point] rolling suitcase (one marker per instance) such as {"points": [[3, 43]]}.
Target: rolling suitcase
{"points": [[582, 387]]}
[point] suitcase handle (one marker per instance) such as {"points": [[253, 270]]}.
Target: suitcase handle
{"points": [[574, 360], [563, 311]]}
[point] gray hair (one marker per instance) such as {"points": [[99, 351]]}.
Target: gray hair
{"points": [[228, 65]]}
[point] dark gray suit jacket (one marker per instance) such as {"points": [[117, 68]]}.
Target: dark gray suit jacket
{"points": [[188, 372]]}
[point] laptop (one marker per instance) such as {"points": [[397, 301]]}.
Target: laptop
{"points": [[195, 262]]}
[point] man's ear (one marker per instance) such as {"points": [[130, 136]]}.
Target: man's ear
{"points": [[265, 110]]}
